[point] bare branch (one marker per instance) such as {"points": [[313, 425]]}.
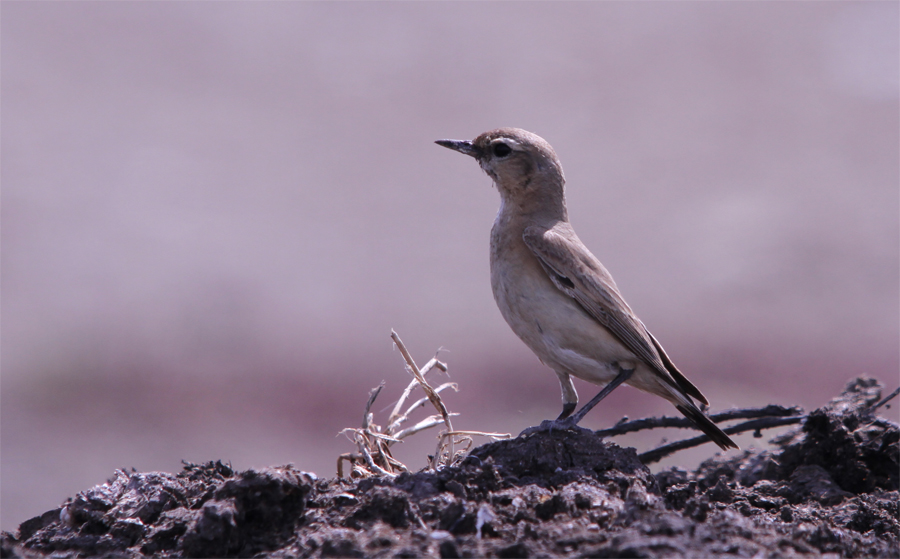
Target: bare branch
{"points": [[884, 401], [661, 452], [658, 422]]}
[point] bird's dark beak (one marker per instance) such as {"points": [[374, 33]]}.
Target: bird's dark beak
{"points": [[462, 146]]}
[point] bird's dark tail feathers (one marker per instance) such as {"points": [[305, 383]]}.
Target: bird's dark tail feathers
{"points": [[706, 425]]}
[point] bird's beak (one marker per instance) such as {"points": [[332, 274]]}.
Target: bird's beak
{"points": [[462, 146]]}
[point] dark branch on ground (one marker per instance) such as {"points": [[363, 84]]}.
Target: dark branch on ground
{"points": [[658, 422], [657, 454], [890, 397]]}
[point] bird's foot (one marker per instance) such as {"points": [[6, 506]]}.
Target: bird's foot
{"points": [[550, 425]]}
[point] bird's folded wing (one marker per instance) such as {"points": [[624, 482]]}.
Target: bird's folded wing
{"points": [[578, 273], [677, 375]]}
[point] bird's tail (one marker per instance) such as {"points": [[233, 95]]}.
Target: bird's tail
{"points": [[706, 425]]}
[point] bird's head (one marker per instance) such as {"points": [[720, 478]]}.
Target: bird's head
{"points": [[523, 165]]}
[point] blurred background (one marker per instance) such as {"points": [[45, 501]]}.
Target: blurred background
{"points": [[214, 213]]}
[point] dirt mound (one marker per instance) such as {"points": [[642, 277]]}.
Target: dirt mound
{"points": [[830, 487]]}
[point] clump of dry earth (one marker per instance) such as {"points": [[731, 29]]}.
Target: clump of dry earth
{"points": [[830, 486]]}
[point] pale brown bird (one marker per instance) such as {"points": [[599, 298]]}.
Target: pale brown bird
{"points": [[557, 297]]}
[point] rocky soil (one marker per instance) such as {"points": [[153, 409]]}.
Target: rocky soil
{"points": [[830, 486]]}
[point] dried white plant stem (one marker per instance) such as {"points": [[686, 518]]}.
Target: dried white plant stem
{"points": [[432, 395], [373, 442]]}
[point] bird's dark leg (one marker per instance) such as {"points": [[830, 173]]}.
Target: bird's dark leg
{"points": [[568, 408], [624, 374], [565, 421]]}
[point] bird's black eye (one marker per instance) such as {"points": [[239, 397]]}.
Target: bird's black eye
{"points": [[502, 150]]}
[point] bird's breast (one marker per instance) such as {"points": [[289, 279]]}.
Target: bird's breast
{"points": [[559, 332], [552, 324]]}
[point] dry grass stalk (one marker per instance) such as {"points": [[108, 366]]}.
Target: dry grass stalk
{"points": [[373, 443], [464, 438], [430, 392]]}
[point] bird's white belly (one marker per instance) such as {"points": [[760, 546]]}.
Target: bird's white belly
{"points": [[576, 363], [557, 329]]}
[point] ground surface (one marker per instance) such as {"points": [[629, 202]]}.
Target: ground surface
{"points": [[831, 486]]}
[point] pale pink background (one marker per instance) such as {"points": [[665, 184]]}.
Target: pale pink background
{"points": [[214, 213]]}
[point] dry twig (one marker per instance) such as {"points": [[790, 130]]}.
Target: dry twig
{"points": [[432, 364], [373, 443], [465, 438], [429, 391], [661, 452], [658, 422], [395, 421], [884, 400]]}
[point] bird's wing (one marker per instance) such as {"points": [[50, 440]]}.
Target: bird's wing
{"points": [[578, 273], [681, 380]]}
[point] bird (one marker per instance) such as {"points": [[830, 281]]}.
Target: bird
{"points": [[556, 295]]}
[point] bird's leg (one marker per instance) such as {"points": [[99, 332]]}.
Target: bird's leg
{"points": [[568, 408], [569, 394], [624, 374], [567, 422]]}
